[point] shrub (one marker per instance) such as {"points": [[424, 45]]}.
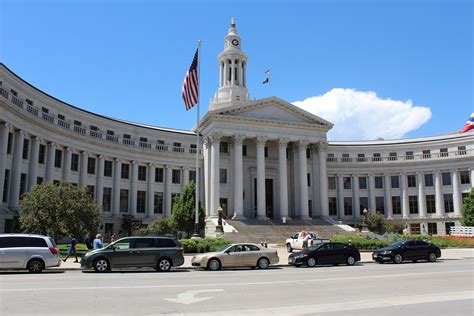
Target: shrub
{"points": [[203, 245], [375, 223], [394, 226], [467, 218]]}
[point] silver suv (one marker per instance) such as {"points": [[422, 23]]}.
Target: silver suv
{"points": [[31, 252]]}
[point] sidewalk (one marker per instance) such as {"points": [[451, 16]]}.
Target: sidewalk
{"points": [[366, 257]]}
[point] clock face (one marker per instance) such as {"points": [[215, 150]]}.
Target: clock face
{"points": [[235, 42]]}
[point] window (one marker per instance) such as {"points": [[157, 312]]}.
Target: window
{"points": [[426, 154], [448, 203], [308, 179], [9, 143], [346, 158], [123, 201], [176, 176], [443, 152], [22, 184], [159, 175], [448, 226], [461, 150], [377, 157], [347, 206], [127, 136], [165, 243], [330, 158], [90, 165], [363, 183], [107, 168], [74, 162], [58, 157], [332, 206], [5, 185], [378, 182], [244, 150], [332, 183], [432, 228], [446, 176], [430, 204], [409, 155], [224, 147], [94, 128], [395, 181], [414, 229], [363, 203], [39, 180], [29, 101], [413, 204], [464, 195], [223, 176], [308, 153], [44, 110], [192, 175], [142, 173], [77, 123], [396, 207], [158, 208], [107, 199], [41, 154], [174, 197], [125, 171], [26, 147], [361, 158], [428, 180], [411, 179], [392, 156], [347, 183], [464, 175], [61, 117], [141, 201], [90, 190], [265, 151], [380, 204]]}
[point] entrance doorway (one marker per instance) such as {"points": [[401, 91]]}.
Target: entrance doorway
{"points": [[268, 197]]}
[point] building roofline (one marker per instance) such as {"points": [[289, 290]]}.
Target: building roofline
{"points": [[402, 141]]}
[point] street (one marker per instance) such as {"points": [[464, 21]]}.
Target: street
{"points": [[364, 289]]}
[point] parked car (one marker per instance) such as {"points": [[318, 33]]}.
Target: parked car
{"points": [[413, 250], [237, 255], [160, 253], [325, 253], [295, 242], [31, 252]]}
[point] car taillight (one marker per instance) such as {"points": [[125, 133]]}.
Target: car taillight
{"points": [[180, 250], [54, 251]]}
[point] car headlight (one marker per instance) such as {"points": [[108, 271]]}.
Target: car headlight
{"points": [[386, 252], [301, 255]]}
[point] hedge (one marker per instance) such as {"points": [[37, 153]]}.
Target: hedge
{"points": [[203, 244]]}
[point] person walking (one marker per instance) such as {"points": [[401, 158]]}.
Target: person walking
{"points": [[71, 250], [97, 244], [306, 239], [112, 238]]}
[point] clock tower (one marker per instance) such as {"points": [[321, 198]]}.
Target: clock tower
{"points": [[232, 72]]}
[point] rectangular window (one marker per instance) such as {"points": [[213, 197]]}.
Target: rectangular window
{"points": [[244, 150], [396, 207], [395, 182], [448, 203], [380, 204], [107, 199], [413, 204], [361, 158], [392, 156], [265, 151], [432, 228], [411, 179], [26, 147], [308, 153], [22, 184], [192, 175], [448, 226], [347, 206], [464, 195], [332, 183], [332, 206], [141, 173], [158, 208], [378, 182], [430, 204], [5, 185], [377, 157], [108, 168], [74, 162], [91, 190], [125, 171], [446, 176], [41, 154], [223, 176], [363, 183], [10, 143], [61, 117], [174, 197], [224, 147], [426, 154], [123, 200], [90, 165], [363, 203], [461, 150], [428, 180], [39, 180], [141, 201], [464, 175], [409, 155], [308, 179], [176, 176], [347, 183], [159, 174], [443, 152], [77, 123], [58, 158], [346, 158]]}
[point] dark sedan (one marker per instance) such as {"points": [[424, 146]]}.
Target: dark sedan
{"points": [[413, 250], [326, 253]]}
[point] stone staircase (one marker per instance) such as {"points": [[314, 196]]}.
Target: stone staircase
{"points": [[272, 231]]}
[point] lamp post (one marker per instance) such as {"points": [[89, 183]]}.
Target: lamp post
{"points": [[365, 226], [219, 228]]}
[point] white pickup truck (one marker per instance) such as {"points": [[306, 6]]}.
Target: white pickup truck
{"points": [[296, 242]]}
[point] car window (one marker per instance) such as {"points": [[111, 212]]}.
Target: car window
{"points": [[36, 242], [251, 248], [338, 246], [326, 247], [165, 243], [145, 243], [296, 236], [421, 243], [52, 242], [15, 242], [410, 243], [124, 244], [237, 248]]}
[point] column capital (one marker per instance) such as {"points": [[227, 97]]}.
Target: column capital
{"points": [[322, 146], [404, 174], [339, 175], [8, 125], [134, 162], [150, 164], [38, 139], [261, 140], [184, 168], [84, 153], [283, 142], [101, 157], [118, 160], [386, 174], [238, 139], [215, 138], [168, 167], [68, 149], [52, 144], [355, 175], [303, 144], [22, 132]]}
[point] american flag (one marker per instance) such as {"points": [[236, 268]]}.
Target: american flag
{"points": [[190, 91]]}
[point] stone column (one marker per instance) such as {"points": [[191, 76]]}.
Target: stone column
{"points": [[388, 195], [225, 73], [471, 178], [4, 130], [302, 146], [340, 196], [67, 164], [421, 194], [185, 172], [238, 177], [355, 196], [150, 194], [215, 170], [33, 168], [83, 169], [50, 153], [457, 201], [315, 181], [323, 179], [133, 188], [439, 201], [261, 207], [116, 187], [372, 205], [16, 169], [99, 188], [220, 74], [283, 176], [168, 178], [207, 169], [405, 207]]}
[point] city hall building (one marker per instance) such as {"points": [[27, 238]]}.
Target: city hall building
{"points": [[261, 159]]}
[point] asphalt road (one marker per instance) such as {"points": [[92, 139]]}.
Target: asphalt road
{"points": [[444, 287]]}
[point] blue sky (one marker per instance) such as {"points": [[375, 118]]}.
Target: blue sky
{"points": [[127, 59]]}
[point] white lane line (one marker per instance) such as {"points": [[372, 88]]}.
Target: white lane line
{"points": [[233, 284]]}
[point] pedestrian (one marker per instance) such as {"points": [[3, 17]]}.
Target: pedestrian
{"points": [[71, 250], [306, 239], [112, 238], [97, 244], [88, 243]]}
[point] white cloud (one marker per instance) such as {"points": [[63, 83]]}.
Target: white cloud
{"points": [[361, 115]]}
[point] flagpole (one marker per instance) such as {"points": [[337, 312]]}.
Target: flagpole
{"points": [[196, 215]]}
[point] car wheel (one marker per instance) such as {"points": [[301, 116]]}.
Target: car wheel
{"points": [[350, 260], [164, 265], [214, 265], [432, 257], [101, 265], [414, 261], [35, 266], [263, 263], [398, 258], [311, 262], [288, 248]]}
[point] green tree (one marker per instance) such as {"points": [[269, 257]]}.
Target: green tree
{"points": [[58, 210], [467, 216], [130, 225], [375, 223], [183, 217], [161, 226]]}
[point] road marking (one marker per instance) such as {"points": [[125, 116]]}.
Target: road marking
{"points": [[188, 297], [233, 284]]}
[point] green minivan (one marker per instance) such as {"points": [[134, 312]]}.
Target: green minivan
{"points": [[160, 253]]}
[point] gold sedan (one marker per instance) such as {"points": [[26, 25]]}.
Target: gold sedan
{"points": [[237, 255]]}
